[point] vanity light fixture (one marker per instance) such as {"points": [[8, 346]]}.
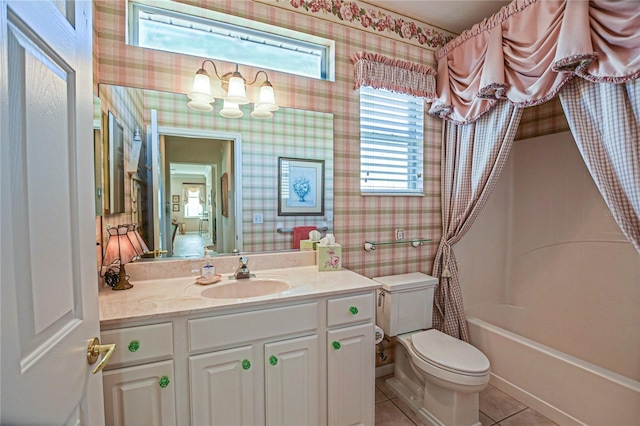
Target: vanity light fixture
{"points": [[123, 246], [204, 93]]}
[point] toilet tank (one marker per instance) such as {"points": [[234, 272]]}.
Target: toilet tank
{"points": [[405, 302]]}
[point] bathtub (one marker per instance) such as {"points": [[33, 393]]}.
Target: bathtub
{"points": [[564, 388]]}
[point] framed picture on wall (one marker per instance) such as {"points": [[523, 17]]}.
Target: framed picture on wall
{"points": [[300, 187], [175, 198], [176, 206]]}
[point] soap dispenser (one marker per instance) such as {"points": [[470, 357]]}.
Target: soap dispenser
{"points": [[208, 270]]}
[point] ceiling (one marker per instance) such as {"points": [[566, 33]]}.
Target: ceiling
{"points": [[452, 15], [183, 169]]}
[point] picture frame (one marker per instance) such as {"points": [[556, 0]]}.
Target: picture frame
{"points": [[176, 206], [300, 187], [175, 199]]}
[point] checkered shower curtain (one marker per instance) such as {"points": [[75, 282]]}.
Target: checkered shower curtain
{"points": [[605, 122], [473, 156]]}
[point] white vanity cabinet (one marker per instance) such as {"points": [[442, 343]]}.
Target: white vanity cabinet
{"points": [[137, 390], [351, 360], [274, 364]]}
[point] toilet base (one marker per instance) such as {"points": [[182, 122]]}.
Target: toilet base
{"points": [[447, 416], [436, 405]]}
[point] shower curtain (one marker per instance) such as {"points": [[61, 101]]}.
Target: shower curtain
{"points": [[523, 56]]}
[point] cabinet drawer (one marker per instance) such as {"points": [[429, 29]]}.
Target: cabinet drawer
{"points": [[139, 344], [349, 310], [225, 330]]}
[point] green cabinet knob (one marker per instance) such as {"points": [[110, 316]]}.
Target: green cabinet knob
{"points": [[134, 346], [353, 310], [246, 364], [273, 360], [336, 345], [163, 382]]}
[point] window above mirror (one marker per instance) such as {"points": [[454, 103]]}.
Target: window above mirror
{"points": [[222, 38]]}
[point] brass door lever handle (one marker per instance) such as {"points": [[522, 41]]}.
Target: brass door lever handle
{"points": [[95, 349]]}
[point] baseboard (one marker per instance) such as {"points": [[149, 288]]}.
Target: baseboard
{"points": [[384, 370]]}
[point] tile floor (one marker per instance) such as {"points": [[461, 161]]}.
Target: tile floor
{"points": [[190, 244], [496, 409]]}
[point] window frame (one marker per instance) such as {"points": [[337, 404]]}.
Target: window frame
{"points": [[246, 27]]}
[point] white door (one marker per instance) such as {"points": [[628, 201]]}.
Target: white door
{"points": [[157, 161], [47, 218], [292, 382]]}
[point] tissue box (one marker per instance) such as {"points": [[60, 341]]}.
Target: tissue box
{"points": [[308, 245], [329, 257]]}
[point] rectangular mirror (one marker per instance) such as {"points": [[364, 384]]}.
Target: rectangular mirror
{"points": [[245, 151]]}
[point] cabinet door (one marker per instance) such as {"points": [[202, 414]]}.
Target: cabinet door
{"points": [[141, 395], [351, 375], [222, 387], [291, 382]]}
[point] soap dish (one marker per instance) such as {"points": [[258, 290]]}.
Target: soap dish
{"points": [[211, 280]]}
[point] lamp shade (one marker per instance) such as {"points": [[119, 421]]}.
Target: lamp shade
{"points": [[267, 99], [136, 240], [231, 110], [236, 92], [200, 94], [119, 246], [261, 112]]}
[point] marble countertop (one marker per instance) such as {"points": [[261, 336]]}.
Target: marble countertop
{"points": [[168, 297]]}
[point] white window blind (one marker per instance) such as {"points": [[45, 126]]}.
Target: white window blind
{"points": [[391, 142]]}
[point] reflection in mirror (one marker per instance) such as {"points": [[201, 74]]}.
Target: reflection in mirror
{"points": [[115, 164], [234, 162]]}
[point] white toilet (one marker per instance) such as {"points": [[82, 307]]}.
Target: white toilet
{"points": [[438, 375]]}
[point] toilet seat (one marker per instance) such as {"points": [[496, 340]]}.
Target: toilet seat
{"points": [[450, 354]]}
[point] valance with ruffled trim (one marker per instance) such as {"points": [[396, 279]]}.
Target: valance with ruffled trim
{"points": [[528, 50], [380, 72]]}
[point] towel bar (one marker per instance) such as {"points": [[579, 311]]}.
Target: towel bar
{"points": [[288, 230], [371, 245]]}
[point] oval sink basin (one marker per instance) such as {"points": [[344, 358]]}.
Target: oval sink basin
{"points": [[240, 289]]}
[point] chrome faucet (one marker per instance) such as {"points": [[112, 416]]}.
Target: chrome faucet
{"points": [[243, 269]]}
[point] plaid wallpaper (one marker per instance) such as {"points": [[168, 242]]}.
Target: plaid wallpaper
{"points": [[543, 119], [356, 218]]}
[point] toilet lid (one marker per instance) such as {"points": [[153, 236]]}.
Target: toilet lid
{"points": [[449, 353]]}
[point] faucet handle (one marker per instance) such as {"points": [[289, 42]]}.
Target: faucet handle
{"points": [[244, 260]]}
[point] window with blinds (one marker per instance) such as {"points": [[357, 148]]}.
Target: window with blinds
{"points": [[391, 142]]}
